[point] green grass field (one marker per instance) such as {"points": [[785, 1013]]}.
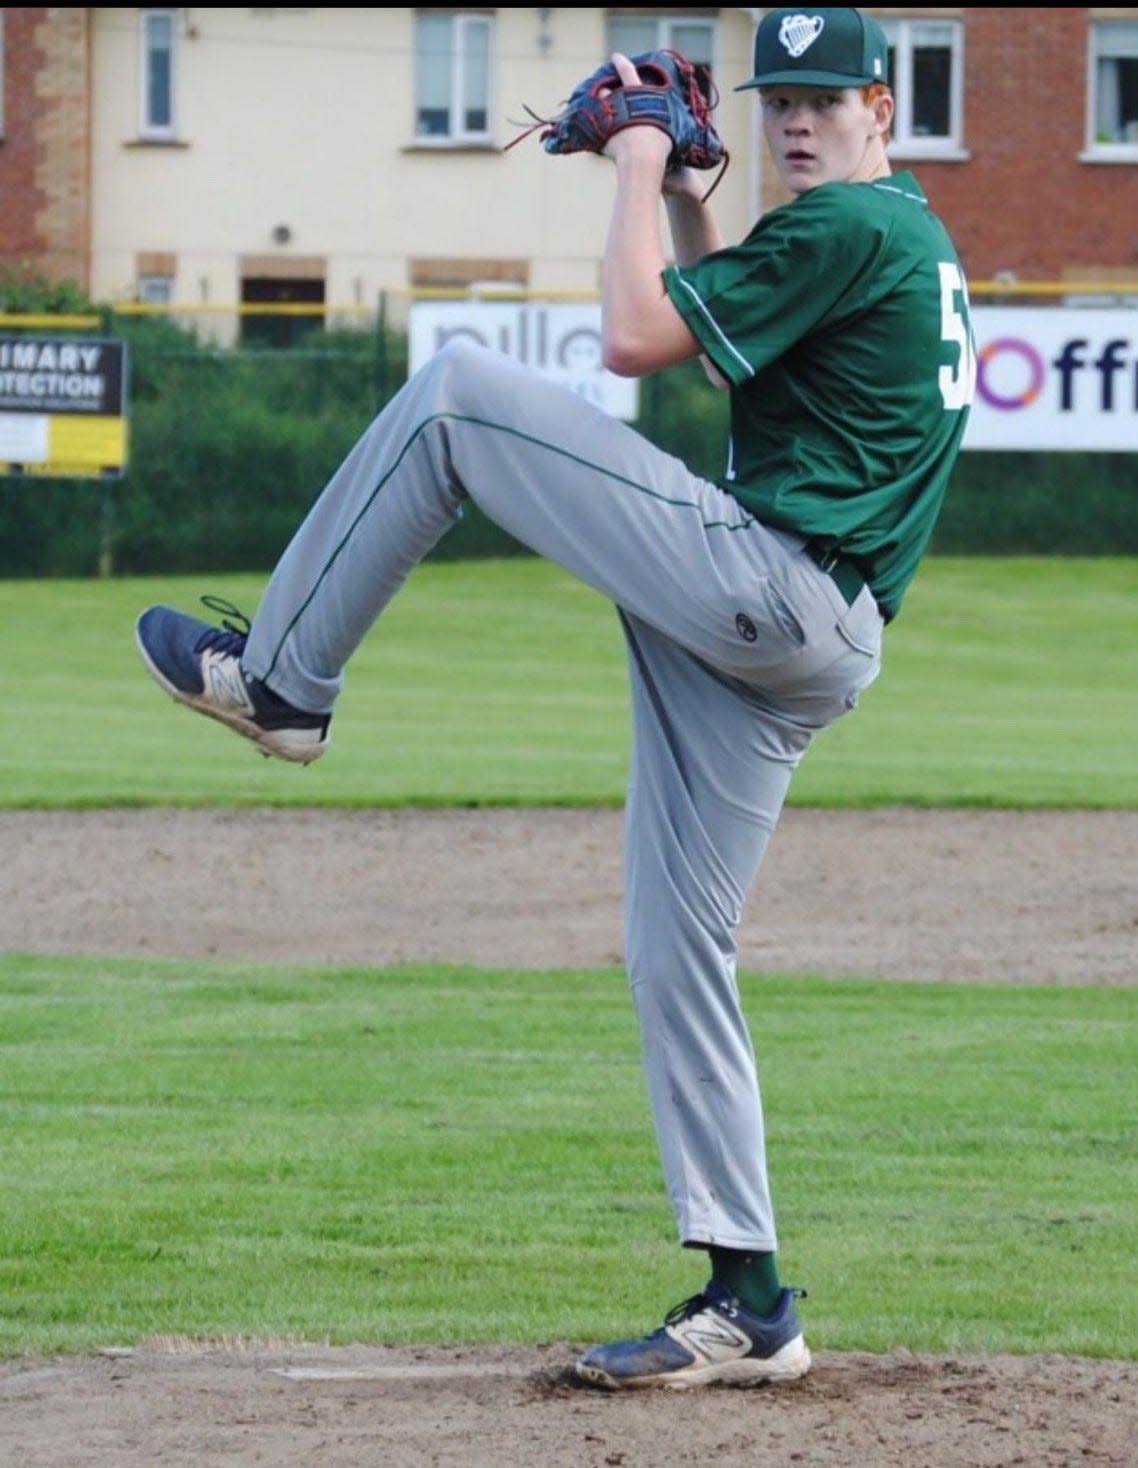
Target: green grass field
{"points": [[1006, 683], [444, 1154]]}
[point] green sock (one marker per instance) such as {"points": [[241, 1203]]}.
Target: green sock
{"points": [[751, 1277]]}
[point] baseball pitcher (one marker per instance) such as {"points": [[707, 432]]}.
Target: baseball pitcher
{"points": [[753, 607]]}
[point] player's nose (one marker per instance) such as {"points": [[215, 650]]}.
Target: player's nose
{"points": [[798, 117]]}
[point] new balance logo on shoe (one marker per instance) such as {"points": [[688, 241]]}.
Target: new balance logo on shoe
{"points": [[710, 1334], [222, 680]]}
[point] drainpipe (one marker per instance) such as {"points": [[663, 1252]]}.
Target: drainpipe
{"points": [[755, 149]]}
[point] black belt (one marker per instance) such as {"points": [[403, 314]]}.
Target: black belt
{"points": [[842, 572]]}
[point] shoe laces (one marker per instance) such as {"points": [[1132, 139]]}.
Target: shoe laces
{"points": [[231, 636], [689, 1307], [713, 1294]]}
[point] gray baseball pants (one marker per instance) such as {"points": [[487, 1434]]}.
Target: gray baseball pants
{"points": [[739, 649]]}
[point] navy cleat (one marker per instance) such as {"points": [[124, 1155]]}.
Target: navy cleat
{"points": [[709, 1338], [200, 666]]}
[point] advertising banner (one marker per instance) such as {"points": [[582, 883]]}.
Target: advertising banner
{"points": [[62, 406], [1060, 378], [562, 341], [1056, 378]]}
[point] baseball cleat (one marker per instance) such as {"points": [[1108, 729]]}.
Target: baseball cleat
{"points": [[200, 665], [709, 1338]]}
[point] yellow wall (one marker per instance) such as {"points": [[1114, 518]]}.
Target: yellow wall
{"points": [[305, 119]]}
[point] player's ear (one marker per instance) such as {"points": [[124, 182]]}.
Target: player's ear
{"points": [[882, 105]]}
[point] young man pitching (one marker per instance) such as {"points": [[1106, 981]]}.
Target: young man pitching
{"points": [[753, 607]]}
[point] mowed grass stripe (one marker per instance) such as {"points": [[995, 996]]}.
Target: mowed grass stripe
{"points": [[436, 1153]]}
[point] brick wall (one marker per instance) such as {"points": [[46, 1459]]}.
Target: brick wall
{"points": [[1024, 202], [45, 153]]}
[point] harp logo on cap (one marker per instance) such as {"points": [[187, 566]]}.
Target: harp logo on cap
{"points": [[799, 32]]}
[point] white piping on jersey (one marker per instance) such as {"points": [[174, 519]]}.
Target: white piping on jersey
{"points": [[904, 193], [711, 321]]}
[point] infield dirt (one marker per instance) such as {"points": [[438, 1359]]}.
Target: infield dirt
{"points": [[1038, 897]]}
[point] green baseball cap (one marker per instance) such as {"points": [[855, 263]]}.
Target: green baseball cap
{"points": [[819, 48]]}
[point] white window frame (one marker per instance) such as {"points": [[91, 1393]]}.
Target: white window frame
{"points": [[902, 35], [147, 127], [666, 27], [463, 25], [1101, 150]]}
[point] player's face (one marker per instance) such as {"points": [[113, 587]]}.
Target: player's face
{"points": [[821, 135]]}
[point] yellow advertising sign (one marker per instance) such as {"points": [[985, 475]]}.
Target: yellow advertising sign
{"points": [[62, 407]]}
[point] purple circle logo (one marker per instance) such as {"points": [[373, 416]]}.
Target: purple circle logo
{"points": [[1034, 375]]}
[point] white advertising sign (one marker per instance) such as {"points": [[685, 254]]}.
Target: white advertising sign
{"points": [[1059, 377], [23, 438], [561, 341]]}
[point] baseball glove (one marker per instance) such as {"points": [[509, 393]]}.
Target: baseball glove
{"points": [[674, 95]]}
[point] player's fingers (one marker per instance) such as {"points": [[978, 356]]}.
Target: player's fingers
{"points": [[629, 76]]}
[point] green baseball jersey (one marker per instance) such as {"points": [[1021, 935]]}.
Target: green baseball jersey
{"points": [[841, 324]]}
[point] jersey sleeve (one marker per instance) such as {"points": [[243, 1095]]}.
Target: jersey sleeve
{"points": [[801, 267]]}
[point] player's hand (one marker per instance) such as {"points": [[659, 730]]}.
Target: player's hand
{"points": [[682, 183], [646, 143], [678, 181]]}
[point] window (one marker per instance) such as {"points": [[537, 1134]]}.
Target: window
{"points": [[926, 69], [155, 290], [633, 34], [157, 36], [1114, 85], [452, 77]]}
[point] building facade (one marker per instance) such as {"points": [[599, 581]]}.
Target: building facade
{"points": [[331, 157]]}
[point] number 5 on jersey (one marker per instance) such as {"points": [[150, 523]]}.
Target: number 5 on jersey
{"points": [[957, 383]]}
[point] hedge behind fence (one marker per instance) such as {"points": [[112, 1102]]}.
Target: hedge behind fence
{"points": [[228, 449]]}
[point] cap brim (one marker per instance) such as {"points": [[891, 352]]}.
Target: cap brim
{"points": [[805, 79]]}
